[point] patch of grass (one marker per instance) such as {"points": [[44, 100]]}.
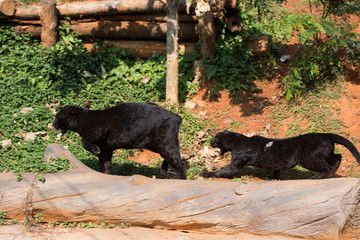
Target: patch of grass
{"points": [[195, 169], [314, 112]]}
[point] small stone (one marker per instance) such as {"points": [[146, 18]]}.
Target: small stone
{"points": [[190, 105], [346, 124], [202, 113], [5, 143], [26, 110]]}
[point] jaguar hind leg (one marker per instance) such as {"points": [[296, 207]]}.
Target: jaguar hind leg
{"points": [[330, 168]]}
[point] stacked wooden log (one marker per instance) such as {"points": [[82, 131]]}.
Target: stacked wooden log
{"points": [[129, 22]]}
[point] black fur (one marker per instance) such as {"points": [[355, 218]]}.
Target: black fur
{"points": [[127, 125], [313, 151]]}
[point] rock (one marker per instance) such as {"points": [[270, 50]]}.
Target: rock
{"points": [[28, 136], [50, 126], [190, 105], [26, 110], [202, 113], [347, 124], [5, 143], [52, 107]]}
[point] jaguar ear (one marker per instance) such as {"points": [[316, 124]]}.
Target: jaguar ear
{"points": [[226, 131]]}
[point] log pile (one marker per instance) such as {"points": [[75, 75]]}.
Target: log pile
{"points": [[138, 21], [316, 209]]}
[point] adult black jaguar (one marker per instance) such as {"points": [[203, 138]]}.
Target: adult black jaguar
{"points": [[313, 151], [127, 126]]}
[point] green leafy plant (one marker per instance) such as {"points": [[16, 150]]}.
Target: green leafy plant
{"points": [[38, 219], [54, 223], [3, 214], [86, 225], [41, 178], [124, 225]]}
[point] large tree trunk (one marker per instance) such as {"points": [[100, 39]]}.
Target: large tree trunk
{"points": [[172, 56], [317, 209], [49, 23], [121, 30]]}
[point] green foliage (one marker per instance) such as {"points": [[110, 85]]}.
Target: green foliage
{"points": [[124, 225], [195, 169], [319, 59], [3, 217], [47, 79], [232, 67], [316, 111], [3, 214], [321, 41], [87, 225], [262, 7], [38, 219]]}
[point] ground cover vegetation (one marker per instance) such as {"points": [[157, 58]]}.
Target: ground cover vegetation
{"points": [[47, 79]]}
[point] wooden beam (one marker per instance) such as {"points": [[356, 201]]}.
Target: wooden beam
{"points": [[100, 8], [144, 49], [172, 55], [121, 30], [49, 23], [7, 8], [207, 30]]}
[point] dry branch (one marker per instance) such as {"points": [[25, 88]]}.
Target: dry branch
{"points": [[316, 209]]}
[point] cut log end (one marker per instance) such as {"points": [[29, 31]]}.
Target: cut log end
{"points": [[7, 7]]}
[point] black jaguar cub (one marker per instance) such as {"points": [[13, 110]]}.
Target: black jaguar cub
{"points": [[127, 125], [313, 151]]}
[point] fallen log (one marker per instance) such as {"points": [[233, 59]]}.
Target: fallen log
{"points": [[317, 209], [121, 30], [97, 8], [144, 49]]}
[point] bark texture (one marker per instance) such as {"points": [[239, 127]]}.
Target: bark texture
{"points": [[317, 209], [49, 23], [172, 55], [146, 48], [121, 30], [97, 8], [207, 30], [7, 7]]}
